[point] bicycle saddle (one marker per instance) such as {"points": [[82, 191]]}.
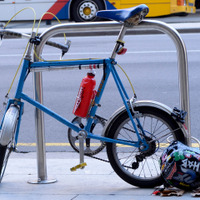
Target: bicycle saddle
{"points": [[122, 15]]}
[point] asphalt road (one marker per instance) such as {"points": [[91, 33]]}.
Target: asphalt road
{"points": [[151, 63], [168, 19]]}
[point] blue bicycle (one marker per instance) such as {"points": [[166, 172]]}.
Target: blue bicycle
{"points": [[134, 136]]}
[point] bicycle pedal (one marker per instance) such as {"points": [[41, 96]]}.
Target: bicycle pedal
{"points": [[79, 166]]}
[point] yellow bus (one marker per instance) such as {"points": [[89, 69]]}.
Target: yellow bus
{"points": [[85, 10], [161, 7]]}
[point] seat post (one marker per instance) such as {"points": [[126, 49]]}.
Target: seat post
{"points": [[120, 38]]}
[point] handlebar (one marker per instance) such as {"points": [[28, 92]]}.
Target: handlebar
{"points": [[63, 47], [13, 34]]}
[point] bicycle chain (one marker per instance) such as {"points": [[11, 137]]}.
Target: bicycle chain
{"points": [[103, 160], [97, 158]]}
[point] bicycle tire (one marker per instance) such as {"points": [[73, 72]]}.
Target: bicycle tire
{"points": [[146, 172], [4, 155], [7, 134]]}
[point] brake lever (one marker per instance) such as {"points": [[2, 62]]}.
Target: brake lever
{"points": [[66, 49]]}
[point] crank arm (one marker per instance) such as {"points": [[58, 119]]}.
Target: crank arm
{"points": [[81, 138]]}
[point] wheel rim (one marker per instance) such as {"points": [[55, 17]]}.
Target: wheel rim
{"points": [[87, 10]]}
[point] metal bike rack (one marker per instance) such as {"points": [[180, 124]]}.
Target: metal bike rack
{"points": [[73, 27]]}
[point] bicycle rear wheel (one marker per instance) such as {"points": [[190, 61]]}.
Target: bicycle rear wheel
{"points": [[134, 166], [7, 134]]}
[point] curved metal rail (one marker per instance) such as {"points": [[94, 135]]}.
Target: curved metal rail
{"points": [[74, 27]]}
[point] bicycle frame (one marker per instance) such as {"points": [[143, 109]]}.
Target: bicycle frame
{"points": [[108, 67]]}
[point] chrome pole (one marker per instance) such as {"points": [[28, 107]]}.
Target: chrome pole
{"points": [[40, 132]]}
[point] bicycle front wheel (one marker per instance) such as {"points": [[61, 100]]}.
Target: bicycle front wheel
{"points": [[137, 167], [7, 134]]}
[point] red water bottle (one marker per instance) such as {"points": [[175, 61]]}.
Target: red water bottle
{"points": [[85, 95]]}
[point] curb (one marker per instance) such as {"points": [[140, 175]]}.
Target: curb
{"points": [[180, 27]]}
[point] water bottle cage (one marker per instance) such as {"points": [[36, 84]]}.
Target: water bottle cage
{"points": [[179, 115], [91, 105]]}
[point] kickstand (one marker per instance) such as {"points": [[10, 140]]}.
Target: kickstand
{"points": [[82, 164]]}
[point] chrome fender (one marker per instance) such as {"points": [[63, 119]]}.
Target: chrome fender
{"points": [[148, 103], [9, 124]]}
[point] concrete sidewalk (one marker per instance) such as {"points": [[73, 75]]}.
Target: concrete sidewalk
{"points": [[97, 181]]}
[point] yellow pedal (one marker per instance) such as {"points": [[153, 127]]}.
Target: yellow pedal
{"points": [[79, 166]]}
